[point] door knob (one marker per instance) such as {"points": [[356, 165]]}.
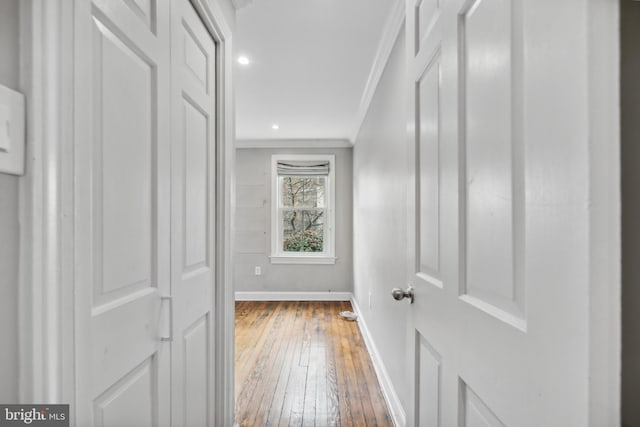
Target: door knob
{"points": [[399, 294]]}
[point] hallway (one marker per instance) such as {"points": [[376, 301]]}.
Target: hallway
{"points": [[162, 159], [299, 363]]}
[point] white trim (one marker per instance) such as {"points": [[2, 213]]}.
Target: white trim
{"points": [[224, 359], [388, 391], [605, 213], [329, 226], [309, 259], [46, 289], [294, 296], [292, 143], [389, 36]]}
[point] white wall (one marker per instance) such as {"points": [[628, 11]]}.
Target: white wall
{"points": [[380, 212], [253, 228], [630, 98], [9, 231]]}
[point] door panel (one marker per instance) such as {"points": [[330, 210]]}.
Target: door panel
{"points": [[196, 59], [491, 146], [193, 60], [128, 401], [196, 188], [123, 179], [428, 169], [426, 16], [196, 350], [428, 387], [475, 412], [122, 210], [145, 10], [118, 350]]}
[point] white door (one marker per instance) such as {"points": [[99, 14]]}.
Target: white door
{"points": [[502, 216], [193, 96], [122, 198], [145, 194]]}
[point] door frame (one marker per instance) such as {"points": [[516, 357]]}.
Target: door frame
{"points": [[47, 345]]}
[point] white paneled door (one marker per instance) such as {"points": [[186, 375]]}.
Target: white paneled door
{"points": [[193, 91], [144, 234], [501, 222], [123, 164]]}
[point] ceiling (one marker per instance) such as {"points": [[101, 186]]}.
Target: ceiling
{"points": [[309, 62]]}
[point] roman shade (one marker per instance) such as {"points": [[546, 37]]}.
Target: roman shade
{"points": [[303, 167]]}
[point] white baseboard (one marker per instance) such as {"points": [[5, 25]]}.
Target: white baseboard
{"points": [[388, 391], [294, 296]]}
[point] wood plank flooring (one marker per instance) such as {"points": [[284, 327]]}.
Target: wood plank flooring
{"points": [[300, 364]]}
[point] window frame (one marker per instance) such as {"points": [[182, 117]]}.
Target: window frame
{"points": [[278, 255]]}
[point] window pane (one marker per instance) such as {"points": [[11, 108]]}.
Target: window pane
{"points": [[303, 230], [302, 191]]}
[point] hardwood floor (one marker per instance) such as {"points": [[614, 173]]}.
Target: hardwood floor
{"points": [[300, 364]]}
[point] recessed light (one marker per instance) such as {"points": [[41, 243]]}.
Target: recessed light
{"points": [[275, 126], [243, 60]]}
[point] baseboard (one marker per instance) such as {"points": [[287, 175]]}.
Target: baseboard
{"points": [[294, 296], [388, 391]]}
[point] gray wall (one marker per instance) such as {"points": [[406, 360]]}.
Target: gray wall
{"points": [[380, 212], [9, 232], [253, 228], [630, 98]]}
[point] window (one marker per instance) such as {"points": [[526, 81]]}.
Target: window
{"points": [[302, 215]]}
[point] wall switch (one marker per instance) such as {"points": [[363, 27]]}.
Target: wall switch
{"points": [[258, 270], [370, 295], [12, 131]]}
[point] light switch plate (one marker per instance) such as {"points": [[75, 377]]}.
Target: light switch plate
{"points": [[5, 129], [12, 131]]}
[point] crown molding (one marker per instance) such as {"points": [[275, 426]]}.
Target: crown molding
{"points": [[389, 36], [292, 143]]}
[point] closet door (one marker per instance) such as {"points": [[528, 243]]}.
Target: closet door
{"points": [[193, 95], [122, 215]]}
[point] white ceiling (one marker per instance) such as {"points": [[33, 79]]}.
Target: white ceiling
{"points": [[310, 61]]}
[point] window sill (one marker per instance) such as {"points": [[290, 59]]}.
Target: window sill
{"points": [[306, 259]]}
